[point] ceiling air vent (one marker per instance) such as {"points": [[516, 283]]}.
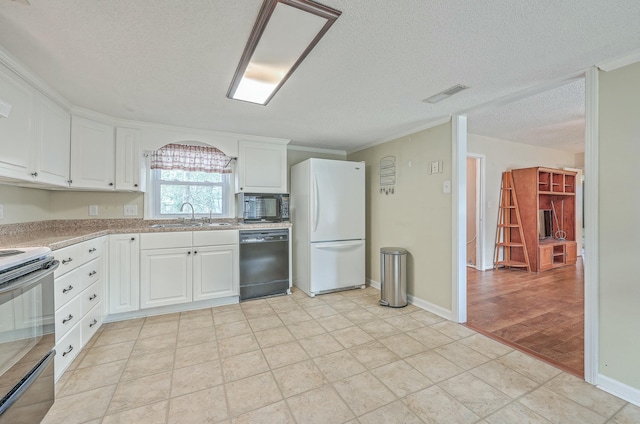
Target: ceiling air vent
{"points": [[446, 93]]}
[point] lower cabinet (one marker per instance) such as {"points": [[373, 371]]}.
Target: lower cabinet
{"points": [[185, 267], [556, 254], [124, 273]]}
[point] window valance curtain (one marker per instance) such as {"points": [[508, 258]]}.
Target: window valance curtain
{"points": [[190, 158]]}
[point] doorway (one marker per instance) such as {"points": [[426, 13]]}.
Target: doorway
{"points": [[475, 211], [538, 313]]}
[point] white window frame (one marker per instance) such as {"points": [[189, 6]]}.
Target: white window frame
{"points": [[152, 198]]}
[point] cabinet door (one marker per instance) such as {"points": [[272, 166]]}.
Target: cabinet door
{"points": [[262, 167], [92, 154], [215, 272], [545, 258], [571, 252], [54, 142], [17, 132], [124, 273], [128, 160], [165, 277]]}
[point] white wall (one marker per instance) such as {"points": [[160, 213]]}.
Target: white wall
{"points": [[417, 217], [24, 204], [619, 226], [502, 155]]}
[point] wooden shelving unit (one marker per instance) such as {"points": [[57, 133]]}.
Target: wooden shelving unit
{"points": [[539, 189]]}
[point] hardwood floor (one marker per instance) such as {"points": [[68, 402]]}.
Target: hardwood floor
{"points": [[538, 313]]}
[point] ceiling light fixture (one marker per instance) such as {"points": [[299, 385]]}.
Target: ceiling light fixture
{"points": [[446, 93], [283, 35]]}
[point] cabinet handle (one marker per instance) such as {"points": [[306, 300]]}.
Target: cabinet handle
{"points": [[69, 182], [94, 322], [133, 238], [66, 261], [110, 184], [92, 273], [68, 351], [189, 252], [68, 289], [93, 297], [34, 174], [195, 252], [93, 249], [135, 185], [67, 319]]}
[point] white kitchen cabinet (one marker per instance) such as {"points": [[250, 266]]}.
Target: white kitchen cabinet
{"points": [[165, 277], [92, 154], [130, 170], [53, 142], [215, 272], [262, 167], [124, 273], [17, 132]]}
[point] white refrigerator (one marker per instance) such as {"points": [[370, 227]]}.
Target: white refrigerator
{"points": [[327, 212]]}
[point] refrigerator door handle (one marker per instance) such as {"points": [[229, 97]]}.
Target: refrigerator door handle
{"points": [[316, 206], [339, 244]]}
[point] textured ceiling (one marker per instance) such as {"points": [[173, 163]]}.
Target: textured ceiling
{"points": [[554, 118], [171, 61]]}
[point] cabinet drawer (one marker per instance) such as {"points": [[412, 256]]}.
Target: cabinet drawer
{"points": [[91, 249], [67, 349], [215, 238], [91, 297], [165, 240], [70, 258], [72, 283], [67, 316], [91, 322]]}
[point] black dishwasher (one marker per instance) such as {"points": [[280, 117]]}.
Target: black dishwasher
{"points": [[264, 263]]}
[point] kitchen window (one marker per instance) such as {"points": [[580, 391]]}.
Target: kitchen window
{"points": [[199, 175]]}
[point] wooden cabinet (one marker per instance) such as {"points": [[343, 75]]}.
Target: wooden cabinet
{"points": [[129, 172], [92, 154], [124, 273], [262, 167], [553, 190], [35, 136]]}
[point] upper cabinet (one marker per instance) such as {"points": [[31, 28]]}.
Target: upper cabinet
{"points": [[130, 166], [262, 167], [53, 148], [92, 154], [35, 136]]}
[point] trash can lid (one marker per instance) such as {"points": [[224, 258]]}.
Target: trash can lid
{"points": [[393, 250]]}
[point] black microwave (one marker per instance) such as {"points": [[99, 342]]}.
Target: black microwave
{"points": [[263, 207]]}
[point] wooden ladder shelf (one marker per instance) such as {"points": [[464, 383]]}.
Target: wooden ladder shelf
{"points": [[510, 241]]}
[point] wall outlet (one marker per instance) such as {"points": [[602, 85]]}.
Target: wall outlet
{"points": [[446, 186], [1, 211], [93, 210], [130, 210], [434, 167]]}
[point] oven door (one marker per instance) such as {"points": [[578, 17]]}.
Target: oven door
{"points": [[26, 347]]}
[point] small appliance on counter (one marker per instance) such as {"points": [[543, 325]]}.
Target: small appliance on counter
{"points": [[264, 207]]}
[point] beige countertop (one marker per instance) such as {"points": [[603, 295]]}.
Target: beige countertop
{"points": [[57, 234]]}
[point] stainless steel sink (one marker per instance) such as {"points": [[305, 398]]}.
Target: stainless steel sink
{"points": [[218, 224], [178, 225]]}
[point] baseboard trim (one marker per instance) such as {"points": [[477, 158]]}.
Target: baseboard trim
{"points": [[616, 388], [420, 303]]}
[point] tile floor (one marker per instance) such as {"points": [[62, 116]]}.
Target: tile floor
{"points": [[336, 358]]}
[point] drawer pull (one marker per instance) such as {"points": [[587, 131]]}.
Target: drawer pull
{"points": [[93, 249], [94, 322], [67, 319], [68, 351], [92, 273], [68, 289], [66, 261], [93, 296]]}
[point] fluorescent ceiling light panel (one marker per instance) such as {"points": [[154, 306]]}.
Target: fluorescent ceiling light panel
{"points": [[446, 93], [283, 35]]}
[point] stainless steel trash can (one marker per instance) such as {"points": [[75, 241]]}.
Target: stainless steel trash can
{"points": [[393, 276]]}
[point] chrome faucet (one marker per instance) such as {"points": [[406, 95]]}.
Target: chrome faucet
{"points": [[193, 212]]}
